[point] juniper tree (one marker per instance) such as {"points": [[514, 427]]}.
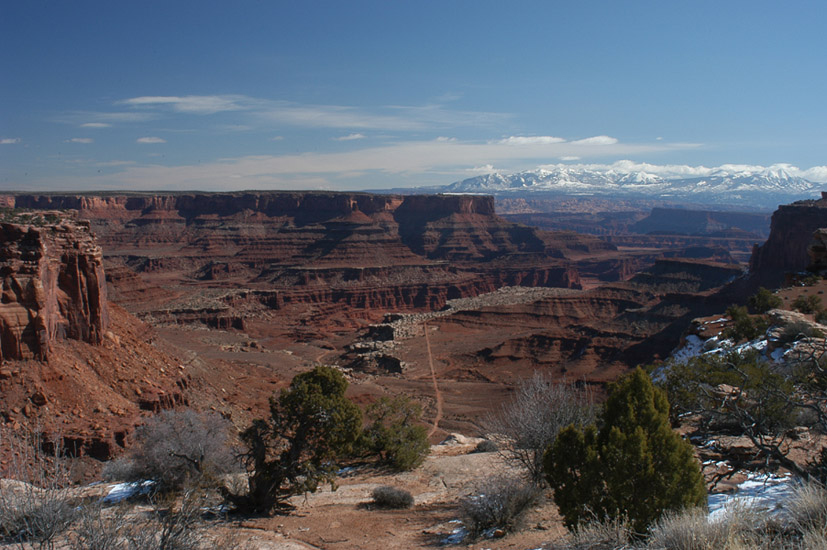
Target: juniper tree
{"points": [[629, 465], [311, 424]]}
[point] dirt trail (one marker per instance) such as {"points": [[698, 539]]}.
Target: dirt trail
{"points": [[437, 393]]}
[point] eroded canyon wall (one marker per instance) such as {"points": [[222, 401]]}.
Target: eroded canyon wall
{"points": [[791, 231], [53, 285], [356, 250]]}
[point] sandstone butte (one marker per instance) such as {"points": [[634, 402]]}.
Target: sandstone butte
{"points": [[294, 278]]}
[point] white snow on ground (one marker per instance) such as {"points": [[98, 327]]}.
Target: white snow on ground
{"points": [[763, 492], [692, 348], [123, 491]]}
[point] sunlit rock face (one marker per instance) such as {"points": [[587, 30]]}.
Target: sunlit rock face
{"points": [[53, 285]]}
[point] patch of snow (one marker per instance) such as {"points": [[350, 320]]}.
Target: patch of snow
{"points": [[758, 345], [765, 492], [123, 491], [457, 535], [692, 348]]}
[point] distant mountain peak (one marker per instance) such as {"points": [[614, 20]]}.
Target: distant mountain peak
{"points": [[751, 186]]}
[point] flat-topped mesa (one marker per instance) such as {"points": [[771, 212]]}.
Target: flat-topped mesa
{"points": [[791, 231], [53, 284], [322, 205], [438, 206]]}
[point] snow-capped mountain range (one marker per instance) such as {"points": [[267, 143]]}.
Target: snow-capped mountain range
{"points": [[753, 186]]}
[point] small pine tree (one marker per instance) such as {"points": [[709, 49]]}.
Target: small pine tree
{"points": [[632, 466]]}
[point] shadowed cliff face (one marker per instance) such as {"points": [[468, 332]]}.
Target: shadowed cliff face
{"points": [[53, 286], [785, 251]]}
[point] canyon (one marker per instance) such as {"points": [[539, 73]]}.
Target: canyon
{"points": [[218, 299]]}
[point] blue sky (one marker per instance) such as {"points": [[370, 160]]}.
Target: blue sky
{"points": [[359, 95]]}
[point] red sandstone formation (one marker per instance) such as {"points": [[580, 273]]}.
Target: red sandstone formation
{"points": [[785, 251], [53, 285], [330, 251]]}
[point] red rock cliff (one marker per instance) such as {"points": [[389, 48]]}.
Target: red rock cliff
{"points": [[53, 285], [791, 231]]}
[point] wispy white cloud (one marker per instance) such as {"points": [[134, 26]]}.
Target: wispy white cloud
{"points": [[443, 161], [9, 141], [150, 139], [597, 140], [570, 157], [487, 169], [86, 118], [531, 140], [816, 173], [391, 117], [350, 137], [79, 140], [196, 104]]}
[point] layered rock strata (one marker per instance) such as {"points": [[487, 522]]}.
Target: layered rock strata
{"points": [[337, 250], [53, 284]]}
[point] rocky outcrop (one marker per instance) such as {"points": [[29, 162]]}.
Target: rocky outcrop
{"points": [[817, 251], [791, 231], [53, 284]]}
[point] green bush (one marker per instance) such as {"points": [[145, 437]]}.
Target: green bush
{"points": [[633, 466], [797, 330], [744, 326], [311, 424], [395, 433], [807, 303], [764, 300]]}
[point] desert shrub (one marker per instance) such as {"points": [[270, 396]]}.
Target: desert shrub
{"points": [[169, 524], [807, 508], [531, 420], [119, 469], [744, 326], [29, 514], [611, 534], [807, 303], [311, 424], [34, 509], [764, 300], [633, 466], [499, 502], [692, 530], [386, 496], [797, 330], [99, 529], [821, 316], [395, 434], [179, 448], [486, 446]]}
